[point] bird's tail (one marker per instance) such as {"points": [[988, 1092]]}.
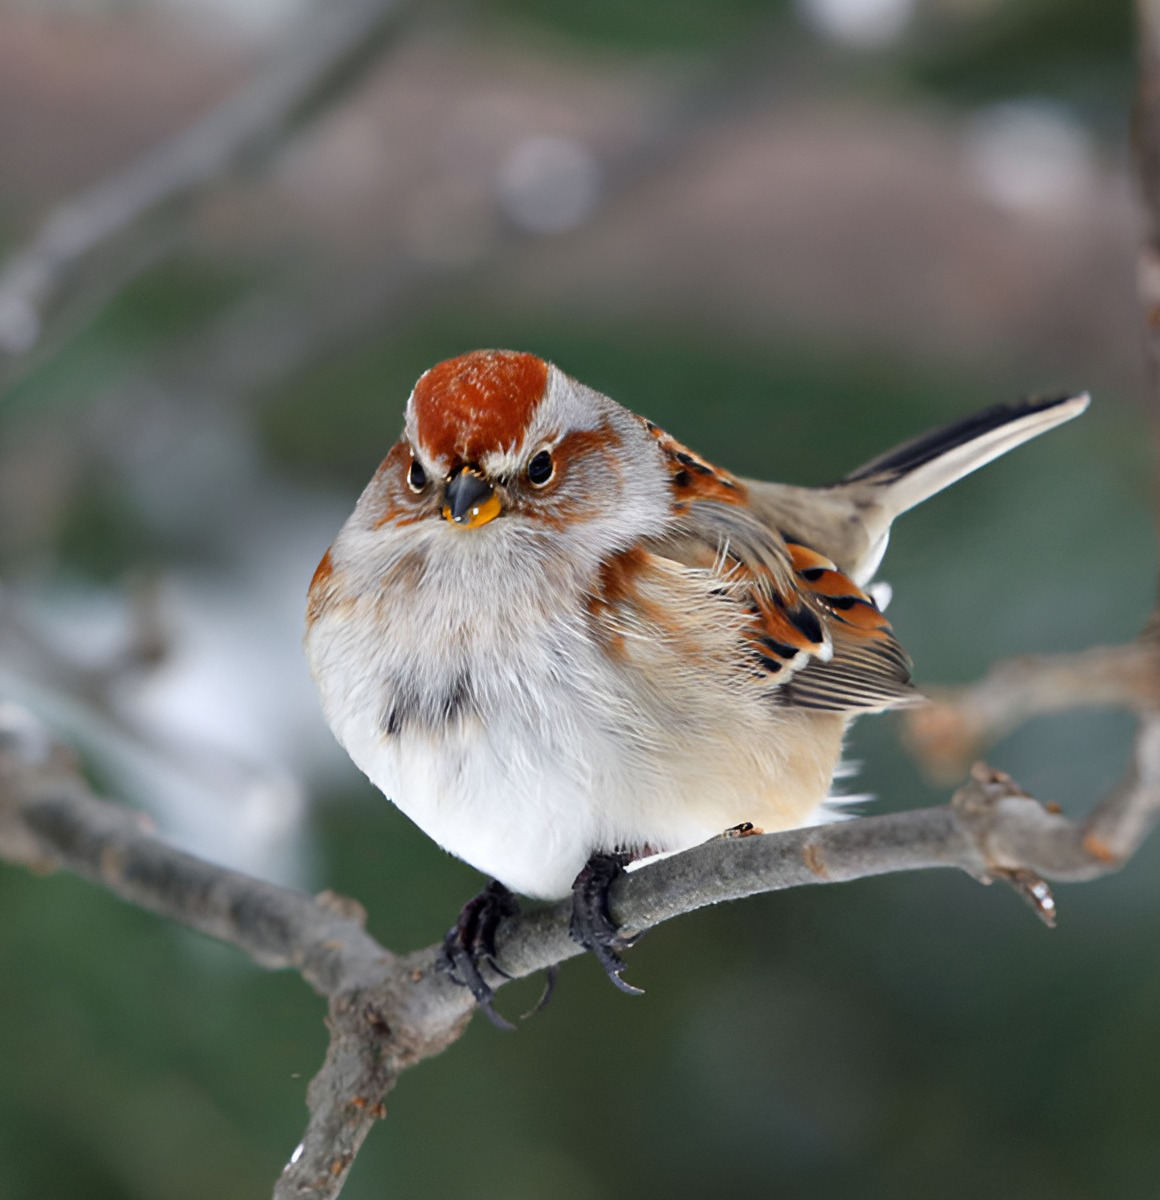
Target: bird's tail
{"points": [[916, 470], [850, 521]]}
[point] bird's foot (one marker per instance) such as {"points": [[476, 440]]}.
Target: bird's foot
{"points": [[471, 942], [592, 924], [744, 830]]}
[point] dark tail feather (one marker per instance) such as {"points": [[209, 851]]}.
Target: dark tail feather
{"points": [[910, 473]]}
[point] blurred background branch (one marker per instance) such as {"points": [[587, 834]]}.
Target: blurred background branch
{"points": [[959, 724], [326, 53]]}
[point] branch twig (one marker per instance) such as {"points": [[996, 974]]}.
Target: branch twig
{"points": [[960, 723]]}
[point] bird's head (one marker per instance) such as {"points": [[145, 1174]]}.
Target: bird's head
{"points": [[500, 444]]}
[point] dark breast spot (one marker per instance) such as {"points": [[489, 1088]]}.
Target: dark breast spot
{"points": [[432, 710]]}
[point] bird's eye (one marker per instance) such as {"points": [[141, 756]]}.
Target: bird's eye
{"points": [[416, 476], [541, 469]]}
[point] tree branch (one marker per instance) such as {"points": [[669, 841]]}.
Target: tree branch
{"points": [[322, 56], [948, 734]]}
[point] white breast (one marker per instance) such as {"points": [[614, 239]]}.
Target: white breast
{"points": [[472, 706], [470, 689]]}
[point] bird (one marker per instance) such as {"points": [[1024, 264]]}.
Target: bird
{"points": [[560, 641]]}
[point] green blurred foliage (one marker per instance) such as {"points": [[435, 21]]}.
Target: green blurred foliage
{"points": [[961, 53], [641, 25], [108, 346], [1055, 47], [101, 534]]}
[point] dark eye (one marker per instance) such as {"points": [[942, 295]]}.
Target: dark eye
{"points": [[541, 469], [416, 476]]}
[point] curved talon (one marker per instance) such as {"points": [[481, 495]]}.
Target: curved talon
{"points": [[550, 974], [471, 941], [463, 971], [613, 964], [592, 924]]}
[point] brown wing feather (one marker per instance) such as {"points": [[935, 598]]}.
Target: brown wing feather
{"points": [[869, 669], [820, 639]]}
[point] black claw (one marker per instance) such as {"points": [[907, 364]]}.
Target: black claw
{"points": [[550, 974], [592, 924], [471, 941]]}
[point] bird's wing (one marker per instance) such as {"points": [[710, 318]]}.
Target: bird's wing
{"points": [[819, 640]]}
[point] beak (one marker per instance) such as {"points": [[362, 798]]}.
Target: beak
{"points": [[470, 500]]}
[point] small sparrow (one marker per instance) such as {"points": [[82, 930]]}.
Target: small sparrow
{"points": [[559, 640]]}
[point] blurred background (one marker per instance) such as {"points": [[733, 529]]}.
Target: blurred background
{"points": [[792, 232]]}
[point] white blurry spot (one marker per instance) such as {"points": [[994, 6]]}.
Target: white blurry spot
{"points": [[1030, 156], [1042, 893], [19, 325], [296, 1155], [236, 680], [548, 184], [210, 20], [866, 24], [244, 20], [23, 734]]}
